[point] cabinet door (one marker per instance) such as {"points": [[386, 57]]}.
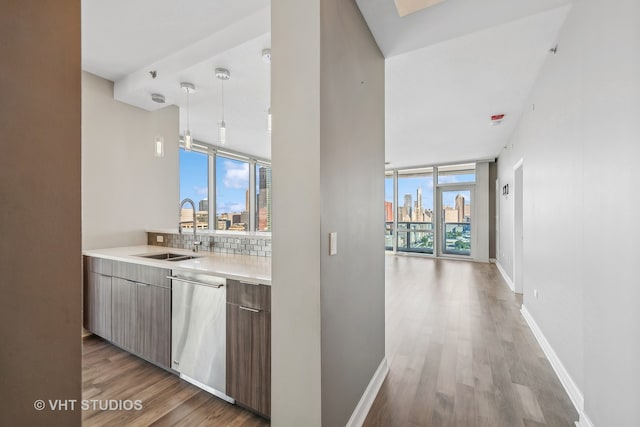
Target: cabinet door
{"points": [[249, 357], [97, 307], [154, 324], [124, 313]]}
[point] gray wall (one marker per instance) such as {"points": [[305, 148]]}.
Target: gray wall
{"points": [[352, 193], [327, 146], [125, 189], [580, 150], [295, 159], [40, 259]]}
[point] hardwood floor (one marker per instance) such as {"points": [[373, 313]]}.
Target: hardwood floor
{"points": [[460, 353], [111, 373]]}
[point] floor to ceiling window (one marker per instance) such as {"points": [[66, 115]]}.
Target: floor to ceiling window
{"points": [[428, 210], [388, 211], [415, 210]]}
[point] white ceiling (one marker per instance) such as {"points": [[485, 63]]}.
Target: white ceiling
{"points": [[121, 36], [439, 99], [186, 41], [449, 67], [444, 21]]}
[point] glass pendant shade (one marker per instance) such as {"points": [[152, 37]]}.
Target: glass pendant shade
{"points": [[158, 147], [222, 132]]}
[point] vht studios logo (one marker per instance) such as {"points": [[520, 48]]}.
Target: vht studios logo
{"points": [[88, 405]]}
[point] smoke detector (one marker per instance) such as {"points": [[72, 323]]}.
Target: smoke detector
{"points": [[223, 74], [157, 97]]}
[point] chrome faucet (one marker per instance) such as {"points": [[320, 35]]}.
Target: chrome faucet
{"points": [[196, 243]]}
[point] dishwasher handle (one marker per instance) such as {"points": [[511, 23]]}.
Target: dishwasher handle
{"points": [[193, 282]]}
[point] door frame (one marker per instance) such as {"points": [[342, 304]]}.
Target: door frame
{"points": [[440, 235], [518, 226]]}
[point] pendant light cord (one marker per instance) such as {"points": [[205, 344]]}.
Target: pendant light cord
{"points": [[222, 84], [188, 90]]}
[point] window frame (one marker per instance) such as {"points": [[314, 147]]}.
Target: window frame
{"points": [[213, 152]]}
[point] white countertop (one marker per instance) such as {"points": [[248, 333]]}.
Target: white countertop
{"points": [[247, 268]]}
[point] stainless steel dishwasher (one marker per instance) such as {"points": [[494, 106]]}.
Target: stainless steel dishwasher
{"points": [[198, 330]]}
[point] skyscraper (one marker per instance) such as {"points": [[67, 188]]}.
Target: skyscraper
{"points": [[264, 198], [203, 205], [460, 207], [417, 214], [407, 207]]}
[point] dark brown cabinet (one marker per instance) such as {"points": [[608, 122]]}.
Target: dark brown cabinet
{"points": [[130, 305], [97, 296], [249, 345], [124, 314], [97, 314], [154, 324]]}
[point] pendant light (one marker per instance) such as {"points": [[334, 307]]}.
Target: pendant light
{"points": [[158, 146], [189, 88], [223, 74]]}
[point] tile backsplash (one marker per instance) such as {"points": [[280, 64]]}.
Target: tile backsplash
{"points": [[242, 245]]}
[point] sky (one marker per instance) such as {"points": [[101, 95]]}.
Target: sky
{"points": [[232, 178], [409, 185]]}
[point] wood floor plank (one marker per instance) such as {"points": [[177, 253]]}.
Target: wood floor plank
{"points": [[480, 364], [110, 373]]}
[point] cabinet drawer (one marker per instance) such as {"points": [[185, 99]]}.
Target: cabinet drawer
{"points": [[249, 295], [98, 265], [142, 273]]}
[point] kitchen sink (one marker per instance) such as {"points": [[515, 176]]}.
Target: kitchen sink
{"points": [[168, 256]]}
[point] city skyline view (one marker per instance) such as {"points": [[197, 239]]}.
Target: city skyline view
{"points": [[232, 192], [232, 178], [410, 185]]}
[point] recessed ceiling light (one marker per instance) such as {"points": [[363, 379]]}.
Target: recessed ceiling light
{"points": [[407, 7]]}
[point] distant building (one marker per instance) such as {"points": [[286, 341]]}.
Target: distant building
{"points": [[388, 211], [406, 213], [203, 205], [460, 207], [264, 199]]}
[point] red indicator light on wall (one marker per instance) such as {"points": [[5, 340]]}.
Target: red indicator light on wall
{"points": [[496, 119]]}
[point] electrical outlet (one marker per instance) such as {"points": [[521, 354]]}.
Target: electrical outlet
{"points": [[159, 239], [535, 294]]}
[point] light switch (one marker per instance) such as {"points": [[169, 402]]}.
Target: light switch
{"points": [[333, 243]]}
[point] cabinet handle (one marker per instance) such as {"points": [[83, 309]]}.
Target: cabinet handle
{"points": [[253, 310], [249, 283], [180, 279]]}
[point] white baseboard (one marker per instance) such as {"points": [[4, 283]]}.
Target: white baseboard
{"points": [[563, 375], [362, 409], [504, 274]]}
